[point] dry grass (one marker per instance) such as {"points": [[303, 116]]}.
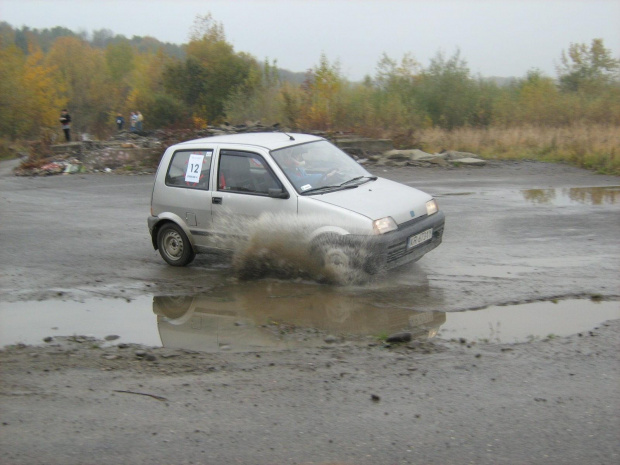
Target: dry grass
{"points": [[595, 147]]}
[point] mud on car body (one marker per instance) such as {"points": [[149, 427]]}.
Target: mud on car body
{"points": [[206, 188]]}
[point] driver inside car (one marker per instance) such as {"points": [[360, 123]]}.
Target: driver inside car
{"points": [[294, 165]]}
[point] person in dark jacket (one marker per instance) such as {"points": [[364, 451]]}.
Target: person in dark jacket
{"points": [[65, 121], [120, 122]]}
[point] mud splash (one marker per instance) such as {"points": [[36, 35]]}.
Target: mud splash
{"points": [[287, 247]]}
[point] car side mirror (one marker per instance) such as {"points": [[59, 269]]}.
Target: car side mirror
{"points": [[278, 193]]}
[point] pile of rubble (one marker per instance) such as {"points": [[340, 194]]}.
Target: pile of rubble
{"points": [[140, 152], [416, 157]]}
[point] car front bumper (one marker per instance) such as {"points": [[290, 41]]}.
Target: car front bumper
{"points": [[392, 249]]}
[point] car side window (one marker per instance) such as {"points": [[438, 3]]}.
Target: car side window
{"points": [[190, 169], [245, 172]]}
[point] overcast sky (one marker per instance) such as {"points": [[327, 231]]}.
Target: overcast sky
{"points": [[495, 37]]}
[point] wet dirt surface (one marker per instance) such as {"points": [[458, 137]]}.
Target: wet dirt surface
{"points": [[517, 235], [85, 235]]}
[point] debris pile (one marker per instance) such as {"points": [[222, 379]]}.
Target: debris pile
{"points": [[140, 152], [416, 157]]}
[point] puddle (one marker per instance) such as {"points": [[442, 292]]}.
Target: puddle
{"points": [[525, 322], [31, 322], [606, 195], [281, 315], [601, 195], [272, 315]]}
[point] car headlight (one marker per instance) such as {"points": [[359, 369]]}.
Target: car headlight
{"points": [[384, 225], [431, 207]]}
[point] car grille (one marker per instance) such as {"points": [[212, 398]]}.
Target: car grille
{"points": [[399, 249]]}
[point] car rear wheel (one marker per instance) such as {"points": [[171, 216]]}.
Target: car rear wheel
{"points": [[174, 246]]}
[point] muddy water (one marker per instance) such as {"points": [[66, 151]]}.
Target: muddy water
{"points": [[272, 314], [606, 195], [600, 195]]}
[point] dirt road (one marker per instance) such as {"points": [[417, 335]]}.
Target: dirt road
{"points": [[515, 232]]}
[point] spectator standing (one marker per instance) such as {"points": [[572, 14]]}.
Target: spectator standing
{"points": [[65, 121], [140, 118], [133, 121], [120, 122]]}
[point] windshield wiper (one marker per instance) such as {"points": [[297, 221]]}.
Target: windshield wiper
{"points": [[344, 185], [327, 188], [368, 178]]}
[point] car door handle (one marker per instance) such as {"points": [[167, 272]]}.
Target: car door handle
{"points": [[216, 200]]}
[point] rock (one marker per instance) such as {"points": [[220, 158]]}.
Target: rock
{"points": [[440, 161], [396, 163], [456, 155], [405, 336], [469, 162], [408, 155], [112, 337]]}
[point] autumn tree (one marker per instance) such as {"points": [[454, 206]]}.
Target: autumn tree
{"points": [[211, 72], [12, 61], [447, 92], [30, 93], [533, 100], [43, 94], [258, 98], [323, 107], [119, 57], [83, 73], [395, 100], [587, 68], [149, 96]]}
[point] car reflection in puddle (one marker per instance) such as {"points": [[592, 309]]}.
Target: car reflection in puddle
{"points": [[279, 316]]}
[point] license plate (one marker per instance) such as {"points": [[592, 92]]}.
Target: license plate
{"points": [[419, 238]]}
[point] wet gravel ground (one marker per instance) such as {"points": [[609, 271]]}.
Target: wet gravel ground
{"points": [[546, 402], [348, 401]]}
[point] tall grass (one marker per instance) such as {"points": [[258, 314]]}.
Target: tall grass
{"points": [[591, 146]]}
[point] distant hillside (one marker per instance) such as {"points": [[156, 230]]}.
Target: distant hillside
{"points": [[501, 81], [45, 38], [292, 77]]}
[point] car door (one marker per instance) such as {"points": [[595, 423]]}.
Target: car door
{"points": [[246, 188], [188, 182]]}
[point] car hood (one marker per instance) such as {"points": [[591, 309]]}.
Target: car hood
{"points": [[378, 199]]}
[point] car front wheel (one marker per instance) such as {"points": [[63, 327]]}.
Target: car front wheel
{"points": [[174, 246]]}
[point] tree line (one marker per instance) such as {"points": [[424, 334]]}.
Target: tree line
{"points": [[207, 82]]}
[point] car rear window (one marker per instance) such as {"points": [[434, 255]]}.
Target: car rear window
{"points": [[190, 169]]}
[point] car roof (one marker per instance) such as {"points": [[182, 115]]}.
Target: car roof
{"points": [[267, 140]]}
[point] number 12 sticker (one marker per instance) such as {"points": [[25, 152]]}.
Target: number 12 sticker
{"points": [[194, 167]]}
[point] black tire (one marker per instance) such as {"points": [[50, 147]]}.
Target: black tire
{"points": [[174, 246]]}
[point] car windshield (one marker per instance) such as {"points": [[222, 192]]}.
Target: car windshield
{"points": [[318, 167]]}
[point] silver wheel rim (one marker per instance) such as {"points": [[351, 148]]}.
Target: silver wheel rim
{"points": [[337, 258], [172, 245]]}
